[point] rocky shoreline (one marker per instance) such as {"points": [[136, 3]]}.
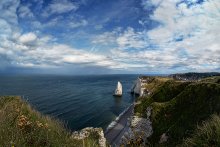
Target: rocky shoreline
{"points": [[114, 134], [114, 123], [84, 133], [139, 129], [130, 126]]}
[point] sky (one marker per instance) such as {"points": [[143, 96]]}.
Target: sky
{"points": [[109, 36]]}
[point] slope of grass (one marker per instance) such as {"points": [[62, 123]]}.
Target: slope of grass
{"points": [[214, 79], [155, 82], [178, 107], [169, 90], [161, 91], [208, 134], [20, 125], [181, 114]]}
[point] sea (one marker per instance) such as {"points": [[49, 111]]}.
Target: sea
{"points": [[77, 101]]}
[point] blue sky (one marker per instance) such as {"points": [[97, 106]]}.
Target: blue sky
{"points": [[109, 36]]}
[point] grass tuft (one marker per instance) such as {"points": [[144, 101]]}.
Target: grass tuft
{"points": [[208, 134], [20, 125]]}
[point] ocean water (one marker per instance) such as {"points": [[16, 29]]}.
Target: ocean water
{"points": [[78, 101]]}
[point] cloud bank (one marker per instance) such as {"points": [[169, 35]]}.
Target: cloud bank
{"points": [[174, 36]]}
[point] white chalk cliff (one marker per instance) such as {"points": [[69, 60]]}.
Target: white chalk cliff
{"points": [[118, 90], [137, 87]]}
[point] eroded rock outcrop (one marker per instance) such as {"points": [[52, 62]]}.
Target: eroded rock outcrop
{"points": [[139, 130], [86, 132], [137, 87]]}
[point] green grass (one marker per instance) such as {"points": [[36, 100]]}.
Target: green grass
{"points": [[178, 107], [155, 82], [169, 90], [214, 79], [207, 134], [162, 91], [20, 125], [181, 115]]}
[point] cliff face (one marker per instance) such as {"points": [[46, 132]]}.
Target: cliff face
{"points": [[87, 132], [20, 125], [178, 107], [137, 87]]}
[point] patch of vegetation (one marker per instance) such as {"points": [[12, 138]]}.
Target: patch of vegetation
{"points": [[178, 107], [207, 134], [214, 79], [169, 90], [155, 82], [161, 91], [20, 125], [193, 75]]}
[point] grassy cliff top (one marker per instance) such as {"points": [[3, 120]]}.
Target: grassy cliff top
{"points": [[179, 106], [207, 134], [20, 125]]}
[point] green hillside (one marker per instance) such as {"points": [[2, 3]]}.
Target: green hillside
{"points": [[207, 134], [178, 107], [20, 125]]}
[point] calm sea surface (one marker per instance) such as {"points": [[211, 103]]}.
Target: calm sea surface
{"points": [[79, 101]]}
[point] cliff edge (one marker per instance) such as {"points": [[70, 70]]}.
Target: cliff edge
{"points": [[183, 113], [21, 125]]}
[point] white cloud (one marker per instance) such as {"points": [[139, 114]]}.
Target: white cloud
{"points": [[188, 38], [196, 28], [37, 50], [106, 38], [24, 12], [146, 4], [59, 7], [151, 60], [43, 54], [58, 55], [8, 10], [28, 38], [70, 22], [5, 28], [123, 39], [131, 39], [78, 23], [197, 25]]}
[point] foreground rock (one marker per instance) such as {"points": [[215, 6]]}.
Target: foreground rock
{"points": [[86, 132]]}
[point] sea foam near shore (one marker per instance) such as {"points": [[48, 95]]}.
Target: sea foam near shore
{"points": [[114, 122]]}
